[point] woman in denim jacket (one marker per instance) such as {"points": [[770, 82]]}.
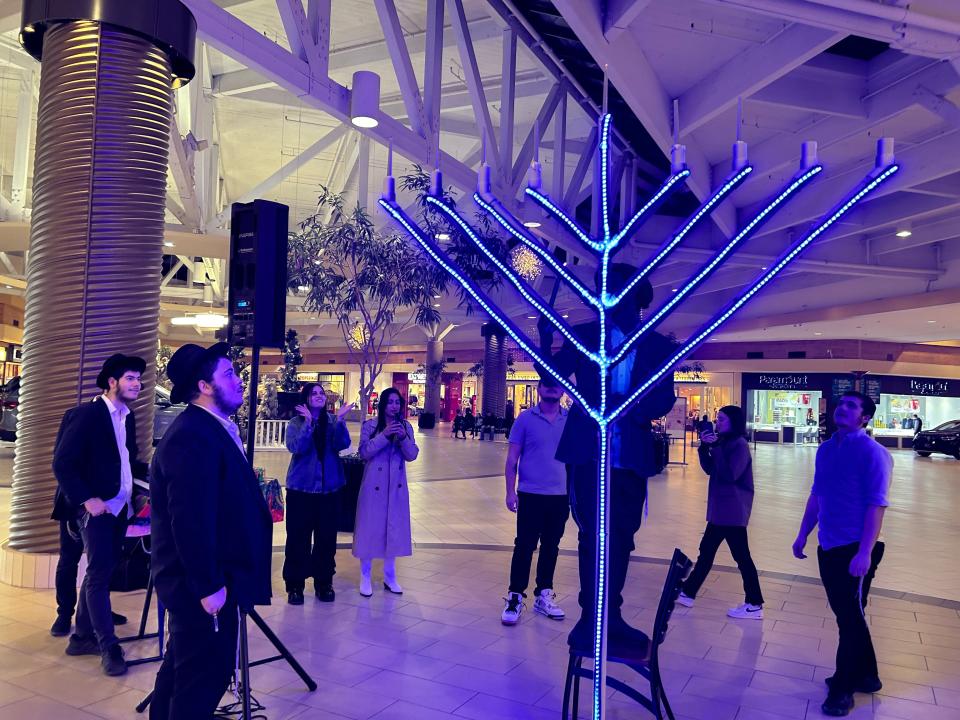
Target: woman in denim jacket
{"points": [[314, 479]]}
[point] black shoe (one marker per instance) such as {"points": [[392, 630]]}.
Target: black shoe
{"points": [[112, 661], [118, 619], [326, 593], [870, 686], [837, 704], [295, 597], [82, 646], [61, 626]]}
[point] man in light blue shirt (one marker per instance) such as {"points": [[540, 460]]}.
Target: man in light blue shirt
{"points": [[849, 495]]}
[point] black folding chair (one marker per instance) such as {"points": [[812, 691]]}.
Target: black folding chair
{"points": [[644, 660]]}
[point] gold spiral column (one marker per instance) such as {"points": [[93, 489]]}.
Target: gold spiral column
{"points": [[96, 237]]}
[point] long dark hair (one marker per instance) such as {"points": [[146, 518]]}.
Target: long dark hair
{"points": [[382, 408], [738, 422], [323, 420]]}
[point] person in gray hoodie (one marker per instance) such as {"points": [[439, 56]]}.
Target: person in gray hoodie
{"points": [[725, 457], [314, 480]]}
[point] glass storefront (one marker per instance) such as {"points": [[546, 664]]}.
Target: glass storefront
{"points": [[769, 411], [895, 413], [333, 384], [705, 394]]}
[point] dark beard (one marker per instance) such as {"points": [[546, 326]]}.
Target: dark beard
{"points": [[220, 400]]}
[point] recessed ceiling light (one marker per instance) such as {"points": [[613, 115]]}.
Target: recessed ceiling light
{"points": [[436, 304], [904, 232], [531, 224], [816, 333], [167, 243], [566, 315], [674, 290], [931, 321], [443, 236], [763, 267], [531, 317]]}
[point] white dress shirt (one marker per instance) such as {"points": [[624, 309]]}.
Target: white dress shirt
{"points": [[229, 426], [118, 416]]}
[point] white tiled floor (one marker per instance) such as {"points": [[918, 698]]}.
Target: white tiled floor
{"points": [[439, 650]]}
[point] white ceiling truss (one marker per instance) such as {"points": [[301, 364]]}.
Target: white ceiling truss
{"points": [[268, 116]]}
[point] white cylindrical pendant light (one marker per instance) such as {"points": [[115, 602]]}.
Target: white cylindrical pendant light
{"points": [[365, 99]]}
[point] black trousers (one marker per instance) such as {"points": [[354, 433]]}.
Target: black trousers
{"points": [[736, 539], [628, 492], [71, 549], [856, 659], [540, 518], [197, 666], [103, 540], [312, 519]]}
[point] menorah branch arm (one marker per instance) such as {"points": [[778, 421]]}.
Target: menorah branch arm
{"points": [[863, 189], [527, 292]]}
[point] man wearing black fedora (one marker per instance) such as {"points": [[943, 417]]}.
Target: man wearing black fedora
{"points": [[211, 535], [95, 460]]}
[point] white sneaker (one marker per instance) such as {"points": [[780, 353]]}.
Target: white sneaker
{"points": [[545, 605], [746, 612], [685, 600], [512, 609]]}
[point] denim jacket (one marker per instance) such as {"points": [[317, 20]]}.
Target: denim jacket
{"points": [[306, 472]]}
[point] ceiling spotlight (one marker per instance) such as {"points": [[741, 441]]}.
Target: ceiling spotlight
{"points": [[443, 236], [904, 231], [673, 290], [531, 224], [565, 315], [931, 321], [365, 99], [167, 243], [436, 304], [437, 297], [531, 317], [818, 333]]}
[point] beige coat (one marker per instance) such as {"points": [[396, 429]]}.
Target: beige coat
{"points": [[383, 508]]}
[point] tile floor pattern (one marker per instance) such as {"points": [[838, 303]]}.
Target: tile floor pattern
{"points": [[439, 652]]}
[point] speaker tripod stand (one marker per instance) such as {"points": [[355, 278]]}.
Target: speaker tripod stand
{"points": [[243, 672]]}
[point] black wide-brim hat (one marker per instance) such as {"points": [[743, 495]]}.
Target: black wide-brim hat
{"points": [[118, 364], [183, 368]]}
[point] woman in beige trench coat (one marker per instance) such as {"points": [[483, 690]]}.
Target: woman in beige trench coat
{"points": [[383, 509]]}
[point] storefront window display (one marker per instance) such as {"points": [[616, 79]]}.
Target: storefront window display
{"points": [[333, 384], [705, 394]]}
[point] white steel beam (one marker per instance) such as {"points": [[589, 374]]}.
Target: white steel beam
{"points": [[318, 23], [923, 235], [21, 151], [559, 145], [580, 172], [468, 59], [507, 97], [750, 71], [618, 14], [433, 68], [525, 156], [403, 67], [298, 33], [295, 164], [632, 75], [181, 168]]}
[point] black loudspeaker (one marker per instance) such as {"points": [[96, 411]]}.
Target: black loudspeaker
{"points": [[258, 273]]}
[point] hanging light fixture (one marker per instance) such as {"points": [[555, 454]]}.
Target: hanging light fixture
{"points": [[527, 265], [365, 99], [359, 336]]}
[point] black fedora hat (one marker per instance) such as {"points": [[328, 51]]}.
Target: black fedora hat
{"points": [[183, 368], [118, 364]]}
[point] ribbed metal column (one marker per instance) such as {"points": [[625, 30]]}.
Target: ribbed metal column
{"points": [[494, 370], [93, 280], [431, 387]]}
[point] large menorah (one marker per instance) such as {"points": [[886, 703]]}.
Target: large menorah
{"points": [[603, 302]]}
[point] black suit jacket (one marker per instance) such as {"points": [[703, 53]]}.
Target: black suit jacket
{"points": [[580, 438], [209, 524], [86, 460]]}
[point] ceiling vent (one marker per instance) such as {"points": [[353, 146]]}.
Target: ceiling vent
{"points": [[796, 354], [755, 355]]}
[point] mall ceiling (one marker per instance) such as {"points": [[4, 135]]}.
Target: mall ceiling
{"points": [[840, 72]]}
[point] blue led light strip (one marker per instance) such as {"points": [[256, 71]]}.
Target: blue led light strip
{"points": [[605, 177], [536, 247], [707, 270], [728, 186], [530, 295], [571, 225], [785, 259], [441, 258], [665, 190]]}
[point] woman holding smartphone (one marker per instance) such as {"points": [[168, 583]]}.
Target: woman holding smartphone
{"points": [[383, 508], [314, 480], [725, 457]]}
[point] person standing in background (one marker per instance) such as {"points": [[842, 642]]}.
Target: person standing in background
{"points": [[314, 480], [95, 460], [383, 507], [541, 503]]}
